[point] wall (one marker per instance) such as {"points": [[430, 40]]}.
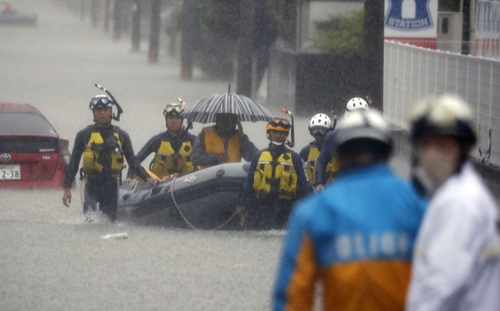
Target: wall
{"points": [[411, 73]]}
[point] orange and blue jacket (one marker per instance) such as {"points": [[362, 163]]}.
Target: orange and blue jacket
{"points": [[356, 237]]}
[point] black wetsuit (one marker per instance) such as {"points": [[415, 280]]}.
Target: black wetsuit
{"points": [[102, 190], [154, 143], [271, 212]]}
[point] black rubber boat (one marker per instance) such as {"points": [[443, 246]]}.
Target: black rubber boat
{"points": [[205, 199]]}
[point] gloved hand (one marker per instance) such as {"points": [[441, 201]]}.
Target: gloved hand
{"points": [[222, 157], [153, 180]]}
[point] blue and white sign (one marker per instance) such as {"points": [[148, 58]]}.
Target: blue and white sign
{"points": [[408, 15], [411, 18]]}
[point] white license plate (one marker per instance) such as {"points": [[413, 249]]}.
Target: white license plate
{"points": [[10, 172]]}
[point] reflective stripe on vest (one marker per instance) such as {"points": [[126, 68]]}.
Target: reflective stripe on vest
{"points": [[167, 162], [275, 176], [92, 165], [331, 168], [310, 165]]}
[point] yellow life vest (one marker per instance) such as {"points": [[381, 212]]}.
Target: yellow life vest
{"points": [[167, 162], [215, 144], [331, 168], [310, 165], [275, 176], [92, 167]]}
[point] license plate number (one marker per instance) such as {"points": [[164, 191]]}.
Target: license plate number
{"points": [[10, 172]]}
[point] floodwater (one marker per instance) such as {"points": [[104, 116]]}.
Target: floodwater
{"points": [[50, 259]]}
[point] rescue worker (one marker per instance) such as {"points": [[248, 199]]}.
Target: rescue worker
{"points": [[319, 126], [104, 148], [275, 180], [356, 236], [327, 165], [456, 265], [223, 142], [172, 148]]}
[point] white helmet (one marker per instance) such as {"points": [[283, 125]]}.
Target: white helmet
{"points": [[320, 124], [446, 115], [355, 104], [363, 130]]}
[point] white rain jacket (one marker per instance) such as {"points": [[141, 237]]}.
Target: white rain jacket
{"points": [[457, 256]]}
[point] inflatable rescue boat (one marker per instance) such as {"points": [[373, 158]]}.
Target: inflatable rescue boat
{"points": [[204, 199]]}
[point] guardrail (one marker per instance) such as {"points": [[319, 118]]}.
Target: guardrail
{"points": [[411, 73]]}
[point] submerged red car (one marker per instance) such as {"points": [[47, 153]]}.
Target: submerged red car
{"points": [[32, 155]]}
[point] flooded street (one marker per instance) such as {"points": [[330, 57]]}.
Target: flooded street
{"points": [[52, 260]]}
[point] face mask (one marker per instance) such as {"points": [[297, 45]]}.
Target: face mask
{"points": [[277, 143], [438, 165]]}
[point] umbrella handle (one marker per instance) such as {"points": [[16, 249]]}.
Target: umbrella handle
{"points": [[290, 143], [120, 110], [187, 127]]}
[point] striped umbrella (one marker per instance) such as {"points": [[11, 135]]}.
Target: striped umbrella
{"points": [[205, 109]]}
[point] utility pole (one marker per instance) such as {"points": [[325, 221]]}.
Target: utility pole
{"points": [[373, 51], [118, 20], [107, 8], [466, 10], [154, 34], [189, 36], [136, 26], [245, 48], [93, 12]]}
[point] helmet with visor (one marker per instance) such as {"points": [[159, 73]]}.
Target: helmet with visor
{"points": [[320, 124], [442, 115], [101, 101], [354, 104], [173, 109], [363, 131], [278, 124]]}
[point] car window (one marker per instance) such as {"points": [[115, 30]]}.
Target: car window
{"points": [[24, 123]]}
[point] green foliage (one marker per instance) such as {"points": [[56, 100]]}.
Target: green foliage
{"points": [[341, 34], [449, 5]]}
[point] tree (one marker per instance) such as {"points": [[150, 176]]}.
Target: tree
{"points": [[341, 34]]}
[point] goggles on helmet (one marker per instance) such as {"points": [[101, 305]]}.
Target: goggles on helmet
{"points": [[278, 124], [100, 101], [173, 108], [318, 130]]}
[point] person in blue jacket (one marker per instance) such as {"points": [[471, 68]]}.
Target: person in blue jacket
{"points": [[327, 164], [356, 236], [276, 179]]}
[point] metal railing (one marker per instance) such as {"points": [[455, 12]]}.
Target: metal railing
{"points": [[411, 73]]}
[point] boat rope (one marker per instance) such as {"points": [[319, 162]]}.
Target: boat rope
{"points": [[187, 221]]}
